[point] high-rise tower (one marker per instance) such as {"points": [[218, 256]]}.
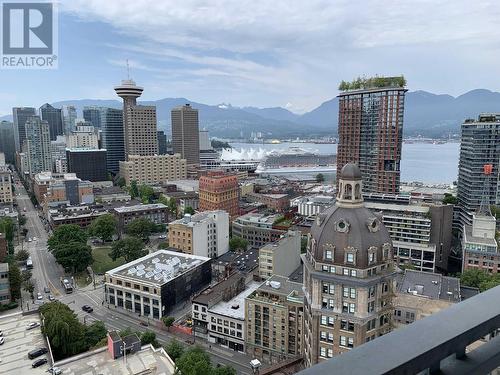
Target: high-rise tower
{"points": [[186, 134], [371, 130], [20, 115], [54, 117]]}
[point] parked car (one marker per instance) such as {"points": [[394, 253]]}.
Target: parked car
{"points": [[1, 333], [37, 352], [39, 296], [51, 298], [46, 289], [29, 239], [34, 238], [32, 325], [87, 308], [55, 370], [39, 362], [2, 340]]}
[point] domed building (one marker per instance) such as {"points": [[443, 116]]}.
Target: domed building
{"points": [[348, 275]]}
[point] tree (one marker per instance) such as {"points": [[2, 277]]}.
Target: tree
{"points": [[74, 256], [15, 280], [130, 248], [22, 220], [174, 349], [477, 278], [449, 199], [146, 193], [65, 234], [189, 210], [149, 337], [238, 243], [141, 228], [7, 228], [133, 189], [104, 227], [121, 182], [168, 321], [194, 361], [320, 177], [94, 333], [29, 287], [63, 329], [26, 275], [224, 370], [22, 255]]}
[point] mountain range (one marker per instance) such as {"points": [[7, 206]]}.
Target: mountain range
{"points": [[426, 114]]}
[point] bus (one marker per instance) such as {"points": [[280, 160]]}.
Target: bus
{"points": [[29, 264], [68, 288]]}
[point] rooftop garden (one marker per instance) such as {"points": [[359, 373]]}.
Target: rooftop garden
{"points": [[362, 83]]}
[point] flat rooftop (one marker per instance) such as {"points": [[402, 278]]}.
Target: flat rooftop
{"points": [[469, 238], [18, 342], [145, 361], [244, 262], [235, 307], [159, 267], [281, 285], [431, 285], [403, 208], [197, 218], [257, 218], [140, 207]]}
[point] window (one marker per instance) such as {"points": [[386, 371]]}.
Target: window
{"points": [[343, 341], [329, 353], [371, 306], [371, 324], [385, 288], [345, 292], [346, 272], [354, 273], [350, 342], [350, 258], [346, 325], [324, 268], [330, 337], [196, 307], [371, 292], [323, 336], [352, 292], [332, 269], [322, 352], [328, 254]]}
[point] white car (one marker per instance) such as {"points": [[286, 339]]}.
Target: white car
{"points": [[39, 296], [162, 237], [2, 340], [34, 238], [32, 325]]}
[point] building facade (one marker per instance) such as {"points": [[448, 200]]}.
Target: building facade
{"points": [[7, 141], [20, 115], [87, 164], [162, 142], [154, 169], [113, 137], [140, 131], [205, 234], [257, 229], [478, 147], [275, 320], [58, 153], [4, 284], [54, 117], [69, 118], [83, 137], [157, 213], [153, 285], [36, 145], [6, 196], [276, 202], [219, 191], [312, 205], [281, 257], [185, 133], [348, 275], [371, 133], [92, 114]]}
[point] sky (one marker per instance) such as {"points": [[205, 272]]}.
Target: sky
{"points": [[262, 53]]}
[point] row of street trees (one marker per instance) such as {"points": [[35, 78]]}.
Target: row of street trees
{"points": [[68, 244]]}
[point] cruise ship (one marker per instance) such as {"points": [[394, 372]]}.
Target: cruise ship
{"points": [[296, 160]]}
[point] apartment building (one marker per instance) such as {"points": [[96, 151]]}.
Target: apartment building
{"points": [[219, 191], [4, 284], [157, 213], [275, 320], [281, 257], [56, 187], [83, 137], [6, 195], [153, 169], [204, 234], [257, 229], [312, 205], [276, 202]]}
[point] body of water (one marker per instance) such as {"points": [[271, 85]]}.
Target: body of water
{"points": [[423, 162]]}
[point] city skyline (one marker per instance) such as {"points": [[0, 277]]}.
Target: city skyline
{"points": [[248, 60]]}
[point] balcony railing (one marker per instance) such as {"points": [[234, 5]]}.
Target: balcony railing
{"points": [[437, 343]]}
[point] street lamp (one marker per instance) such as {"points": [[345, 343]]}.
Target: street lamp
{"points": [[255, 365]]}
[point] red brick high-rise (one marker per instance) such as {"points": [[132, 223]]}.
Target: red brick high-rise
{"points": [[371, 130], [219, 191]]}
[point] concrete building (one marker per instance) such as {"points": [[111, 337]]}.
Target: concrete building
{"points": [[257, 229], [478, 147], [6, 196], [154, 284], [371, 132], [92, 114], [111, 194], [276, 202], [36, 145], [312, 205], [157, 213], [275, 320], [139, 122], [69, 118], [420, 294], [87, 164], [20, 115], [154, 169], [280, 258], [83, 137], [4, 249], [185, 133], [162, 142], [479, 245], [58, 153], [7, 141], [348, 275], [219, 191], [205, 234], [245, 263], [4, 284], [112, 137], [56, 187], [184, 199], [54, 117], [421, 233]]}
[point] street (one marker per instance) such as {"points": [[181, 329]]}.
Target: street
{"points": [[47, 273]]}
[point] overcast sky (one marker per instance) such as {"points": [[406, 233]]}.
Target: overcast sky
{"points": [[262, 53]]}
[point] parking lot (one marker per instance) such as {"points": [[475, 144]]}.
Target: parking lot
{"points": [[18, 342]]}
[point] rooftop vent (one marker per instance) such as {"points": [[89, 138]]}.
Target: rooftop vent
{"points": [[275, 284]]}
